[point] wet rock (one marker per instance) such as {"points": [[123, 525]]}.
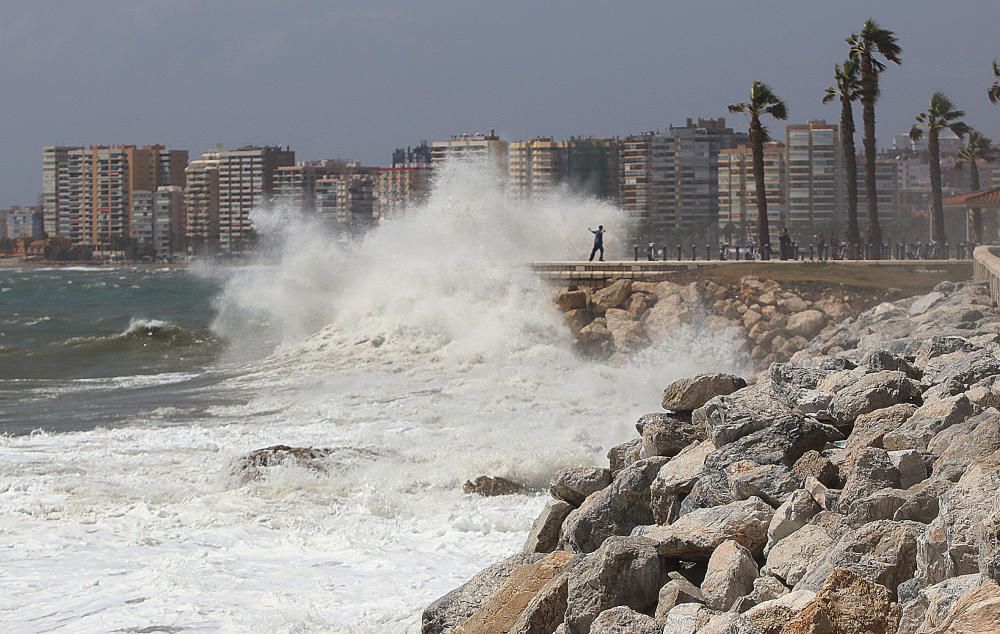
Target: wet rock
{"points": [[690, 393], [615, 510], [667, 435], [594, 340], [457, 606], [250, 467], [623, 620], [847, 603], [545, 532], [638, 305], [624, 571], [730, 575], [489, 486], [695, 536], [574, 484], [629, 336], [675, 480], [788, 559], [623, 455], [927, 421], [577, 320], [792, 515]]}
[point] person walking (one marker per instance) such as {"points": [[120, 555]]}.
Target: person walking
{"points": [[598, 242]]}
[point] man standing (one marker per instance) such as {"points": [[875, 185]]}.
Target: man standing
{"points": [[598, 242]]}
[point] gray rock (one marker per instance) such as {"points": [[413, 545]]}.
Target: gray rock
{"points": [[675, 592], [871, 428], [675, 480], [624, 571], [544, 535], [881, 505], [989, 546], [881, 551], [871, 470], [688, 618], [929, 609], [878, 360], [927, 421], [489, 486], [458, 605], [623, 620], [690, 393], [728, 418], [623, 455], [911, 466], [765, 588], [773, 483], [615, 510], [816, 465], [965, 368], [826, 498], [922, 503], [730, 575], [792, 515], [835, 524], [871, 392], [789, 558], [666, 435], [979, 438], [922, 304], [693, 537], [937, 346], [574, 484]]}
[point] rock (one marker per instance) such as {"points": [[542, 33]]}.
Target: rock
{"points": [[826, 498], [832, 522], [489, 486], [952, 543], [675, 592], [792, 515], [798, 387], [690, 393], [871, 470], [927, 421], [667, 435], [871, 392], [924, 303], [547, 609], [870, 428], [730, 575], [628, 336], [979, 438], [458, 605], [929, 609], [847, 603], [250, 467], [688, 618], [624, 571], [789, 558], [728, 418], [922, 505], [911, 466], [964, 368], [877, 360], [545, 532], [612, 295], [695, 536], [976, 611], [770, 617], [880, 505], [594, 340], [574, 484], [772, 483], [638, 305], [577, 320], [571, 299], [937, 346], [989, 546], [615, 510], [881, 551], [623, 620], [675, 480], [765, 588], [623, 455], [806, 324], [816, 465], [505, 606]]}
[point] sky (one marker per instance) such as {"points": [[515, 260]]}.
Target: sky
{"points": [[357, 79]]}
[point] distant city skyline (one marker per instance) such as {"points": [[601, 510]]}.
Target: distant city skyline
{"points": [[355, 82]]}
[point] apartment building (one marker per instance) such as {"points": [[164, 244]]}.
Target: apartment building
{"points": [[201, 205], [738, 192], [488, 148], [593, 167], [400, 188], [246, 181], [21, 222], [295, 185], [815, 186], [536, 167]]}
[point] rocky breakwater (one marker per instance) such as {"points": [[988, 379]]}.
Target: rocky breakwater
{"points": [[770, 321], [855, 489]]}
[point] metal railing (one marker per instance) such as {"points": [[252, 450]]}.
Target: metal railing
{"points": [[986, 267]]}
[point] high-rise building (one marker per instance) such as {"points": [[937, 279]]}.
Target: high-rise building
{"points": [[593, 167], [201, 205], [295, 185], [483, 147], [169, 230], [143, 220], [417, 156], [646, 182], [536, 167], [738, 192], [246, 181], [21, 222], [347, 202], [54, 160], [400, 188], [890, 217], [815, 179]]}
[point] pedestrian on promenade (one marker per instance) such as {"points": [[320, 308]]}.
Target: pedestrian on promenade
{"points": [[784, 243], [598, 242], [822, 246]]}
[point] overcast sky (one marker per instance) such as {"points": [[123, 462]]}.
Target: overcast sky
{"points": [[356, 79]]}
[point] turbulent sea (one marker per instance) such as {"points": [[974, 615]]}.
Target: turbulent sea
{"points": [[423, 355]]}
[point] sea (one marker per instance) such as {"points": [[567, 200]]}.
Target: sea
{"points": [[421, 355]]}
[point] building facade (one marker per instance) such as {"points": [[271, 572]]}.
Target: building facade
{"points": [[201, 205], [593, 167], [488, 148], [738, 192], [536, 167], [815, 185], [400, 188], [246, 181]]}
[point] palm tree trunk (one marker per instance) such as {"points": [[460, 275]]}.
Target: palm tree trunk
{"points": [[851, 171], [977, 215], [757, 144], [870, 83], [937, 210]]}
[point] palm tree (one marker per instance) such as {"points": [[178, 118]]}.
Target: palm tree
{"points": [[940, 115], [847, 89], [978, 147], [994, 92], [762, 101], [865, 50]]}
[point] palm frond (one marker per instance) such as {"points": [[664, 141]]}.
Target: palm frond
{"points": [[916, 132]]}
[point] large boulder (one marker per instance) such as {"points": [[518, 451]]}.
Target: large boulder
{"points": [[807, 323], [882, 551], [847, 603], [615, 510], [730, 417], [688, 618], [457, 606], [690, 393], [611, 296], [813, 464], [675, 479], [871, 470], [545, 532], [770, 617], [929, 609], [790, 516], [629, 336], [623, 455], [624, 571], [927, 421], [730, 575], [871, 392], [695, 536], [675, 592], [789, 558], [490, 486], [980, 438], [574, 484], [963, 368], [595, 340], [871, 428], [975, 612], [623, 620], [569, 299], [666, 435]]}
